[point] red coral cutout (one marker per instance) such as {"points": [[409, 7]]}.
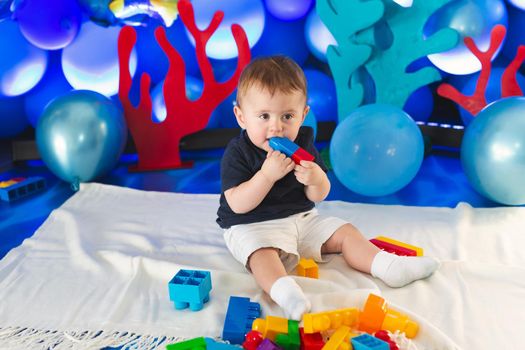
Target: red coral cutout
{"points": [[509, 83], [475, 103], [158, 143]]}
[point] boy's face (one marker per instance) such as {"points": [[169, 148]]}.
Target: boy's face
{"points": [[265, 116]]}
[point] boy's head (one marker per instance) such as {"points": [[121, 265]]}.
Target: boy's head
{"points": [[271, 99]]}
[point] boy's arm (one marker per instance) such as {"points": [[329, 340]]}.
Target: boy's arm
{"points": [[249, 194], [315, 180]]}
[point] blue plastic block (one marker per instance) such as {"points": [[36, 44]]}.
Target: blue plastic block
{"points": [[367, 342], [190, 288], [214, 345], [283, 145], [239, 319], [22, 189]]}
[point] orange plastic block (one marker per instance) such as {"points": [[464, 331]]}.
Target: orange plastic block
{"points": [[307, 268], [270, 327], [418, 250], [322, 321], [396, 321], [373, 314], [340, 340]]}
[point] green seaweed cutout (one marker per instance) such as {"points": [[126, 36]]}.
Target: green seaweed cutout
{"points": [[388, 67], [344, 18]]}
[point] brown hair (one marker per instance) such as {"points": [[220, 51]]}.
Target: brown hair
{"points": [[275, 73]]}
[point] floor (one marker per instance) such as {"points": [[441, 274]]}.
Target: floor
{"points": [[440, 182]]}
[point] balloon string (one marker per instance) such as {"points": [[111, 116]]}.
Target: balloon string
{"points": [[75, 185]]}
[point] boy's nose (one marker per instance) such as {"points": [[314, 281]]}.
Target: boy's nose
{"points": [[276, 125]]}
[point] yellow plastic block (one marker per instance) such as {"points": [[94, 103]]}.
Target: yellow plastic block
{"points": [[307, 268], [4, 184], [396, 321], [419, 251], [340, 340], [270, 327], [373, 314], [322, 321]]}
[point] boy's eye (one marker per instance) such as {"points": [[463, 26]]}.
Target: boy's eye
{"points": [[264, 116], [288, 116]]}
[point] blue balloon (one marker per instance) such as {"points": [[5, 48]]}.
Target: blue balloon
{"points": [[317, 35], [81, 136], [322, 96], [194, 88], [420, 104], [24, 65], [471, 18], [48, 24], [52, 84], [91, 61], [12, 116], [492, 93], [282, 38], [377, 150], [493, 151], [289, 10], [515, 30]]}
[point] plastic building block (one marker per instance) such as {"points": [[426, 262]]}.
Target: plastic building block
{"points": [[312, 341], [392, 248], [340, 340], [252, 340], [282, 144], [419, 250], [307, 268], [323, 321], [270, 327], [215, 345], [18, 188], [192, 344], [373, 314], [396, 321], [239, 319], [267, 344], [292, 340], [383, 335], [190, 288], [367, 342]]}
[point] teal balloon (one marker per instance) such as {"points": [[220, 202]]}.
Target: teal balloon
{"points": [[80, 136], [493, 151], [377, 150]]}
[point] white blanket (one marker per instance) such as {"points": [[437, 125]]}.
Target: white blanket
{"points": [[96, 273]]}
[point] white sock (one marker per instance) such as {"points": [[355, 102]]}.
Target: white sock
{"points": [[398, 271], [290, 297]]}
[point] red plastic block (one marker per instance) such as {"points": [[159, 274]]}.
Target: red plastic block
{"points": [[392, 248], [313, 341]]}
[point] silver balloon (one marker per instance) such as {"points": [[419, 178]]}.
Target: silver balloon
{"points": [[80, 136]]}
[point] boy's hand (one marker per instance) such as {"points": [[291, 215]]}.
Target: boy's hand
{"points": [[309, 173], [276, 166]]}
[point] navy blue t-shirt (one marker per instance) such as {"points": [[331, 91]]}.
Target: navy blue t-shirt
{"points": [[241, 160]]}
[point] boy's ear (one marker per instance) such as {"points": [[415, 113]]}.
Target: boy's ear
{"points": [[239, 116], [305, 112]]}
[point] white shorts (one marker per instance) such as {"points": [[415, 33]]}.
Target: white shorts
{"points": [[299, 235]]}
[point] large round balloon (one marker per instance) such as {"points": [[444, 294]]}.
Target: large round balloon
{"points": [[48, 24], [492, 93], [91, 61], [194, 88], [282, 38], [471, 18], [322, 96], [248, 14], [493, 151], [377, 150], [52, 84], [289, 10], [318, 37], [21, 64], [80, 136], [12, 116], [519, 4]]}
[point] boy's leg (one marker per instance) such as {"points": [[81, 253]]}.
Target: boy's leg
{"points": [[270, 274], [361, 254]]}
